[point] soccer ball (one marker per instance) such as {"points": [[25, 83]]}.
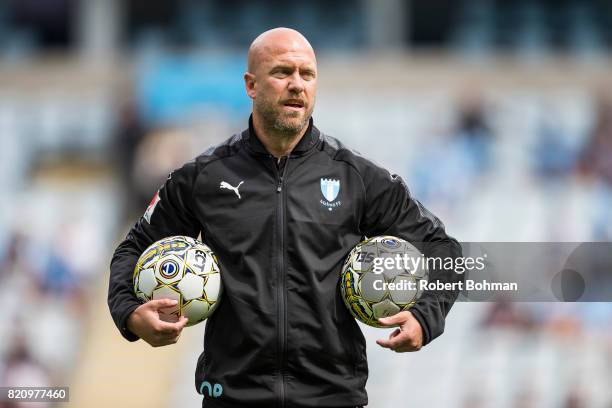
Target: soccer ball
{"points": [[183, 269], [380, 278]]}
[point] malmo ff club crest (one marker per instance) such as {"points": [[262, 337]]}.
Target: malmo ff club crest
{"points": [[330, 189]]}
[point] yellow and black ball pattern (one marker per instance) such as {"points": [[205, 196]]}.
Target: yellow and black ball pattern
{"points": [[183, 269], [375, 282]]}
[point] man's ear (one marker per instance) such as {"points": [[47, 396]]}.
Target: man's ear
{"points": [[249, 84]]}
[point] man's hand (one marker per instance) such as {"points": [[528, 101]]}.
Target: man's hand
{"points": [[146, 323], [409, 335]]}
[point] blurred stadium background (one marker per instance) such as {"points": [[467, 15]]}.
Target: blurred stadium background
{"points": [[497, 113]]}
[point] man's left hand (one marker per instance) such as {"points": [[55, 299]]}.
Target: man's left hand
{"points": [[407, 337]]}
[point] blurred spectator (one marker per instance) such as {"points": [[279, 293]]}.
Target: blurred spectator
{"points": [[575, 399], [56, 278], [448, 170], [12, 259], [39, 279], [159, 152], [508, 314], [129, 134], [597, 155], [596, 162], [554, 155], [22, 370], [473, 130]]}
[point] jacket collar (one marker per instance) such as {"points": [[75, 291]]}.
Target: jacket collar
{"points": [[306, 143]]}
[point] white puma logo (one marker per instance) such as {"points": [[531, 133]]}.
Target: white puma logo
{"points": [[228, 186]]}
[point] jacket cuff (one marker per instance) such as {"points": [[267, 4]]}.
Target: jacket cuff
{"points": [[418, 315], [125, 332]]}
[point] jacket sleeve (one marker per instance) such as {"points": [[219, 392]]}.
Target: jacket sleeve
{"points": [[170, 213], [390, 210]]}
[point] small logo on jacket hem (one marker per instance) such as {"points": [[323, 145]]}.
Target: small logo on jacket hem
{"points": [[211, 390]]}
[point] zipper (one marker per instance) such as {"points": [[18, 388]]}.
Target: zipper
{"points": [[281, 275]]}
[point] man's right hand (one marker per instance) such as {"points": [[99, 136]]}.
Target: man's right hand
{"points": [[146, 323]]}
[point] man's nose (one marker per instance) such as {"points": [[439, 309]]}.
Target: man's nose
{"points": [[296, 83]]}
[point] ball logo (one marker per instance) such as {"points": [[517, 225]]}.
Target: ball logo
{"points": [[390, 243], [364, 257], [168, 269]]}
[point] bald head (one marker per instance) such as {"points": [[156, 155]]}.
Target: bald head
{"points": [[282, 82], [277, 41]]}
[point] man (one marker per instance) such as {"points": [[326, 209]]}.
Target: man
{"points": [[281, 336]]}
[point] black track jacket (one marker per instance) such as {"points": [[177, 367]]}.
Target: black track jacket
{"points": [[282, 336]]}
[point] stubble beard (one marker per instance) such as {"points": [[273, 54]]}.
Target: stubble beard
{"points": [[279, 122]]}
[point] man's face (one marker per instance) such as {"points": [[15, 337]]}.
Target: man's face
{"points": [[283, 88]]}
